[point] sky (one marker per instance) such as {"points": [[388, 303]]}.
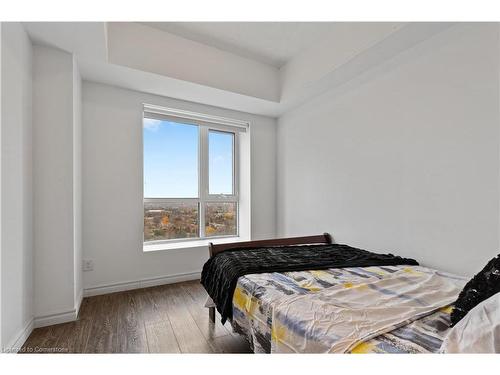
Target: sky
{"points": [[171, 160]]}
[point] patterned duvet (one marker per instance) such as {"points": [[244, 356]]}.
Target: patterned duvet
{"points": [[256, 294]]}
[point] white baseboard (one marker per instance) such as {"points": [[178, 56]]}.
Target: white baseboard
{"points": [[72, 315], [59, 317], [79, 301], [41, 321], [56, 318], [142, 283], [17, 342]]}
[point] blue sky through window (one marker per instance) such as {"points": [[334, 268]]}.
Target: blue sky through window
{"points": [[171, 160], [220, 162]]}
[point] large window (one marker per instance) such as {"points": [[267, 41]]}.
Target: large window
{"points": [[190, 177]]}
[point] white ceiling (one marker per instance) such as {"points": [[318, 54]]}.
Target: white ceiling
{"points": [[272, 43], [325, 56]]}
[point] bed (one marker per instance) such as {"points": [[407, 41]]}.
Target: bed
{"points": [[281, 311]]}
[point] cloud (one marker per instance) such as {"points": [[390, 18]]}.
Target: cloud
{"points": [[222, 158], [151, 124]]}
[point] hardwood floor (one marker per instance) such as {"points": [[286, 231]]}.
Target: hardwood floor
{"points": [[163, 319]]}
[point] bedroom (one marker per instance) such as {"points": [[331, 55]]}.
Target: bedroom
{"points": [[142, 163]]}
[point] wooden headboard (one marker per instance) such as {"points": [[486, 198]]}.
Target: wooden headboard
{"points": [[324, 238]]}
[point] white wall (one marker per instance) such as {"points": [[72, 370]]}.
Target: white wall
{"points": [[55, 155], [16, 190], [77, 184], [1, 43], [406, 158], [112, 187]]}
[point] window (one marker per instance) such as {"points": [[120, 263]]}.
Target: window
{"points": [[190, 175]]}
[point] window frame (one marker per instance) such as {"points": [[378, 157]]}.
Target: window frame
{"points": [[205, 125]]}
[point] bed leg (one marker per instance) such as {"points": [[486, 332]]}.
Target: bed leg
{"points": [[211, 314]]}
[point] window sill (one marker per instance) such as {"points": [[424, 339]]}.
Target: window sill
{"points": [[189, 244]]}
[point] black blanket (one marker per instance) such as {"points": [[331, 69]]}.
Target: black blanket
{"points": [[220, 273]]}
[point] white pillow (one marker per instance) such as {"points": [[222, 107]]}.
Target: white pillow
{"points": [[478, 331]]}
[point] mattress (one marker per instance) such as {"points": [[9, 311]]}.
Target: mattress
{"points": [[256, 294]]}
